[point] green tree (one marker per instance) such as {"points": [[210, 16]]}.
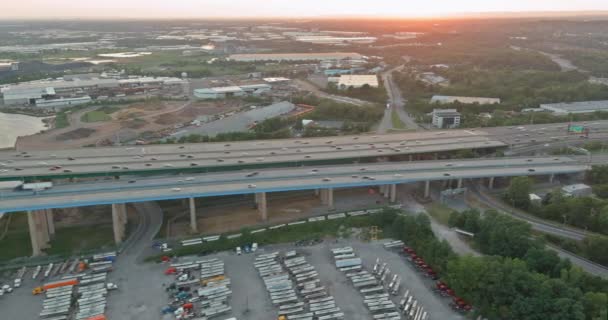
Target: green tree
{"points": [[503, 235], [596, 248], [518, 192], [596, 305]]}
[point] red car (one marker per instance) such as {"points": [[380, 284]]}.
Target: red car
{"points": [[408, 250]]}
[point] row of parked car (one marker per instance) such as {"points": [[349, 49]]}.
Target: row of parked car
{"points": [[441, 287]]}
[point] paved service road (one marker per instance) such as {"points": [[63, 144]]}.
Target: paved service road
{"points": [[546, 227], [140, 293], [396, 99]]}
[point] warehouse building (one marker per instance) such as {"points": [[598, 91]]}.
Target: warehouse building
{"points": [[334, 56], [232, 91], [577, 190], [465, 100], [446, 118], [576, 107], [357, 81], [62, 102], [29, 93]]}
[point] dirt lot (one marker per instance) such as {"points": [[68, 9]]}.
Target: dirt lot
{"points": [[127, 124], [282, 207]]}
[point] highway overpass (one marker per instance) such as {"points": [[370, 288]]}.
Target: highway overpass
{"points": [[212, 157], [322, 179]]}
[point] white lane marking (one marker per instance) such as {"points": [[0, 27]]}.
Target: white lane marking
{"points": [[470, 132]]}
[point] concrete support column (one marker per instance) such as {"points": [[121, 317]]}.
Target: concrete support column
{"points": [[193, 220], [119, 215], [50, 222], [330, 197], [393, 192], [323, 196], [43, 226], [551, 178], [386, 191], [427, 189], [491, 183], [262, 207], [34, 237], [410, 157], [436, 156], [459, 183], [317, 192]]}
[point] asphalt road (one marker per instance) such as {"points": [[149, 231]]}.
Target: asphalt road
{"points": [[546, 227], [121, 160], [396, 99], [74, 194]]}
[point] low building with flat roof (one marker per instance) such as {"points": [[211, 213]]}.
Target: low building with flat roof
{"points": [[62, 102], [357, 81], [576, 107], [295, 56], [465, 100], [446, 118], [232, 91], [577, 190]]}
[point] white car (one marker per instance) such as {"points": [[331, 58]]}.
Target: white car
{"points": [[252, 186], [254, 247], [238, 251], [7, 289], [176, 189]]}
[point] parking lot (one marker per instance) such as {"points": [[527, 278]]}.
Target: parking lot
{"points": [[141, 293]]}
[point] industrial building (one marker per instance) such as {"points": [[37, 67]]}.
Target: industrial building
{"points": [[335, 56], [446, 118], [320, 39], [465, 100], [433, 79], [577, 190], [232, 91], [576, 107], [64, 92], [62, 102], [357, 81]]}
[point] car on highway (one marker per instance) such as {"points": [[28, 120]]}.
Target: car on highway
{"points": [[252, 186], [253, 174], [326, 179], [176, 189]]}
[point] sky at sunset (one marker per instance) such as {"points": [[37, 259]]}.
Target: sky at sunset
{"points": [[278, 8]]}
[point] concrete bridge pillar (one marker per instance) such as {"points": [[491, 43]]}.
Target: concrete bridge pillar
{"points": [[119, 221], [193, 220], [330, 197], [427, 189], [393, 192], [262, 205], [386, 190], [551, 178], [491, 183], [459, 183], [50, 222], [39, 231], [317, 192]]}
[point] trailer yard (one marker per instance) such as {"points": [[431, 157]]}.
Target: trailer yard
{"points": [[297, 282]]}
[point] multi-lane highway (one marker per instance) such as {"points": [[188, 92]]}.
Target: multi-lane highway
{"points": [[159, 159], [277, 180]]}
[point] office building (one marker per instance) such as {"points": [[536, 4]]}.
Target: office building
{"points": [[446, 118]]}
